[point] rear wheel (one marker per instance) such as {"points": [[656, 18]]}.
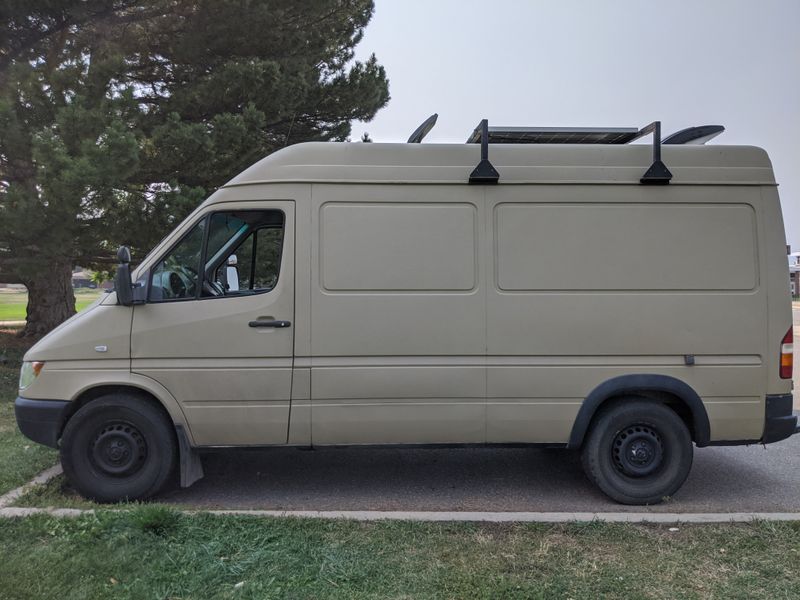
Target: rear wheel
{"points": [[638, 452], [118, 447]]}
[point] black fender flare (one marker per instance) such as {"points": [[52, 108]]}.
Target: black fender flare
{"points": [[641, 382]]}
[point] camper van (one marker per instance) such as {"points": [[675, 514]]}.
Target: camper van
{"points": [[554, 287]]}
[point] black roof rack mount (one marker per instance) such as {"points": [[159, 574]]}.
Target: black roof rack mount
{"points": [[484, 172], [657, 174]]}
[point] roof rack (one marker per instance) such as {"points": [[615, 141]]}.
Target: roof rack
{"points": [[484, 172]]}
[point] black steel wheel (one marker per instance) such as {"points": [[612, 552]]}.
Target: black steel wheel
{"points": [[638, 451], [119, 447]]}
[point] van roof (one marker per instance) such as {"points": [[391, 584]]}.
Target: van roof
{"points": [[347, 162]]}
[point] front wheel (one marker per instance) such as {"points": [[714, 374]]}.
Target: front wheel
{"points": [[638, 452], [118, 447]]}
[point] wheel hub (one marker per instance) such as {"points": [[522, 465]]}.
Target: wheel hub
{"points": [[637, 450], [118, 450]]}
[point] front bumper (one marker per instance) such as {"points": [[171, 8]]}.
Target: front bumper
{"points": [[41, 420], [780, 422]]}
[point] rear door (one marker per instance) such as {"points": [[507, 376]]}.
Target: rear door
{"points": [[217, 328]]}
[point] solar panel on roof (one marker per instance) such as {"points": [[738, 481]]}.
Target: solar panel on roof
{"points": [[557, 135]]}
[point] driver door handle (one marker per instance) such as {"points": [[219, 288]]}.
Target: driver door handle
{"points": [[275, 324]]}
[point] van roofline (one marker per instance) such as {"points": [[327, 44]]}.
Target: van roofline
{"points": [[400, 163]]}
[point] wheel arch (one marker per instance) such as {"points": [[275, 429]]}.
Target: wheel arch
{"points": [[677, 394], [131, 383], [191, 468]]}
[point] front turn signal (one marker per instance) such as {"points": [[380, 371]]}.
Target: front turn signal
{"points": [[29, 372]]}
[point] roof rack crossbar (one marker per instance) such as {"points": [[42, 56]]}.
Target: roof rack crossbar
{"points": [[484, 172], [658, 173]]}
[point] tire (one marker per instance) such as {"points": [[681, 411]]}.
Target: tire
{"points": [[638, 452], [119, 447]]}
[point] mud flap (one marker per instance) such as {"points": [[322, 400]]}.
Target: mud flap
{"points": [[191, 465]]}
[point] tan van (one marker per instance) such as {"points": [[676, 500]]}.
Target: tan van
{"points": [[534, 286]]}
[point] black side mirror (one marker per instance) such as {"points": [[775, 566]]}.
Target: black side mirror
{"points": [[124, 254], [122, 280]]}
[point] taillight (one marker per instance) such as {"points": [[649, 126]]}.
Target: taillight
{"points": [[787, 354]]}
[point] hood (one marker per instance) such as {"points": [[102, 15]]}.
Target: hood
{"points": [[83, 336]]}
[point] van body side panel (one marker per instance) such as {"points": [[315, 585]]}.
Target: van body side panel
{"points": [[592, 282], [300, 417], [233, 381], [779, 300], [398, 314]]}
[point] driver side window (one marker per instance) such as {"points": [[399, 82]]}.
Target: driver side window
{"points": [[176, 276], [225, 254]]}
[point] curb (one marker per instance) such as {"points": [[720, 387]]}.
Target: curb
{"points": [[42, 478], [12, 512], [517, 517]]}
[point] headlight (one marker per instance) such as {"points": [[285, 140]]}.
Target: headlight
{"points": [[29, 372]]}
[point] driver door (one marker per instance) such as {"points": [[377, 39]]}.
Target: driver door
{"points": [[224, 351]]}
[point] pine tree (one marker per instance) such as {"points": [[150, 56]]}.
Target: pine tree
{"points": [[118, 117]]}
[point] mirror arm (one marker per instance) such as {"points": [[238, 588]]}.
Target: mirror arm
{"points": [[140, 291]]}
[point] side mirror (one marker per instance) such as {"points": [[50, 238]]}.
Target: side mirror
{"points": [[232, 274], [124, 255], [122, 280]]}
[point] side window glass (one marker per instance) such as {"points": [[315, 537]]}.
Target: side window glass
{"points": [[242, 261], [254, 265], [246, 258], [177, 275], [231, 253], [268, 258]]}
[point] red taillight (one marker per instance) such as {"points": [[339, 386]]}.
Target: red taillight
{"points": [[787, 354]]}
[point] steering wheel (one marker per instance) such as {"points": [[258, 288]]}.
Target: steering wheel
{"points": [[176, 285]]}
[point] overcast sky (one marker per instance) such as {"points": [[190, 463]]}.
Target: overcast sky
{"points": [[596, 63]]}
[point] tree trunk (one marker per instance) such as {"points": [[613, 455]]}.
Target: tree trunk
{"points": [[51, 300]]}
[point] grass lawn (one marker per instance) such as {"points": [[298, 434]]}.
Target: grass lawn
{"points": [[20, 459], [12, 304], [152, 552]]}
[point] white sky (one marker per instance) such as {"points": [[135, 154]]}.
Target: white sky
{"points": [[596, 63]]}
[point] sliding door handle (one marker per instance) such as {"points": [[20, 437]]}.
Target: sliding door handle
{"points": [[274, 324]]}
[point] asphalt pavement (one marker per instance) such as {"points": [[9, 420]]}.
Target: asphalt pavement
{"points": [[723, 479]]}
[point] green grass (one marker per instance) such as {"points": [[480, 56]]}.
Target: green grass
{"points": [[13, 304], [153, 552], [20, 459], [55, 493]]}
